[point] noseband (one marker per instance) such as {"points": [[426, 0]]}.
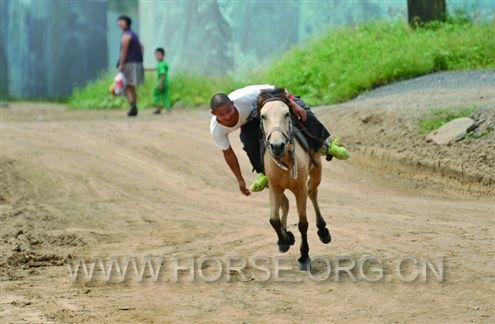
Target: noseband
{"points": [[289, 143]]}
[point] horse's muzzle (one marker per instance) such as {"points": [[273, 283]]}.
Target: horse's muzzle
{"points": [[278, 149]]}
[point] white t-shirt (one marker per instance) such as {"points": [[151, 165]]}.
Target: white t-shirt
{"points": [[244, 100]]}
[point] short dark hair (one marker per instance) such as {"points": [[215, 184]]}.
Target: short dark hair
{"points": [[161, 50], [219, 100], [127, 19]]}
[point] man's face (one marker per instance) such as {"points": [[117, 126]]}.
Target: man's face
{"points": [[226, 114], [159, 56], [122, 24]]}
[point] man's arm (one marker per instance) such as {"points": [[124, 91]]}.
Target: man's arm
{"points": [[233, 164], [299, 111], [296, 109], [123, 52]]}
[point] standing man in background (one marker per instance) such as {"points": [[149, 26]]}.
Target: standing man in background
{"points": [[130, 62]]}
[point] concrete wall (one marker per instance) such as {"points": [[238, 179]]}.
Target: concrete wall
{"points": [[218, 36], [4, 87], [51, 46]]}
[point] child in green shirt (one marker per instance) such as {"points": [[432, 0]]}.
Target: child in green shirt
{"points": [[160, 94]]}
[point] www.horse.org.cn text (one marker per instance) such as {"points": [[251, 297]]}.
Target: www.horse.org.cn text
{"points": [[209, 269]]}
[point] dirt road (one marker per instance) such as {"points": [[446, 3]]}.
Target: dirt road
{"points": [[86, 184]]}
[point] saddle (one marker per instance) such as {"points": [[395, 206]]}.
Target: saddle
{"points": [[302, 138], [303, 141]]}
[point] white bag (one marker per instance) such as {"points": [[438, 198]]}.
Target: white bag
{"points": [[119, 84]]}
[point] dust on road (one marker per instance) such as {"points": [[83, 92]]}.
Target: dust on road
{"points": [[85, 184]]}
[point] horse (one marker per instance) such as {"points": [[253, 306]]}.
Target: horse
{"points": [[288, 166]]}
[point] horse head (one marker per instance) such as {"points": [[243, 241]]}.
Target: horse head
{"points": [[275, 121]]}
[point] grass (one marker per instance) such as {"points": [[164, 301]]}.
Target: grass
{"points": [[440, 116], [186, 90], [349, 61], [336, 67]]}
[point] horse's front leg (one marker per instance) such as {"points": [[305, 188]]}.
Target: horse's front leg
{"points": [[301, 198], [285, 238], [284, 208]]}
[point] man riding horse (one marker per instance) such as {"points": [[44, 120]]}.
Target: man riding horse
{"points": [[239, 110]]}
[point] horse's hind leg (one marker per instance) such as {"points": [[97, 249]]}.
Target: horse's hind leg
{"points": [[278, 199], [323, 232], [313, 183]]}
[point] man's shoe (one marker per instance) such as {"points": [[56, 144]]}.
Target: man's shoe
{"points": [[335, 150], [132, 112], [259, 184]]}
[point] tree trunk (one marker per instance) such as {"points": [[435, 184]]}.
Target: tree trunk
{"points": [[423, 11]]}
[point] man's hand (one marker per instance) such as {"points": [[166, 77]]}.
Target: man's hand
{"points": [[233, 164], [121, 67], [299, 112], [242, 188]]}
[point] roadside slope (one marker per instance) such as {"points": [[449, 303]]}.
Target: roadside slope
{"points": [[381, 126]]}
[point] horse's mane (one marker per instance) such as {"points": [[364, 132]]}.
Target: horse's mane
{"points": [[275, 94]]}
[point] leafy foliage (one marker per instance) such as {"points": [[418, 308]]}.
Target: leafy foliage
{"points": [[186, 90], [335, 67], [346, 62]]}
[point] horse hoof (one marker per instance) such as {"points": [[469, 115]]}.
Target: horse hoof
{"points": [[324, 235], [283, 248], [290, 238], [305, 265]]}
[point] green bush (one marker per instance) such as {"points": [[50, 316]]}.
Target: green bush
{"points": [[186, 90], [96, 95], [348, 61], [191, 90], [336, 67]]}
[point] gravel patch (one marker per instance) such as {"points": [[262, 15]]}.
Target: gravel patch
{"points": [[441, 80]]}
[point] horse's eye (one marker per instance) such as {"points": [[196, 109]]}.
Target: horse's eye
{"points": [[287, 115], [263, 117]]}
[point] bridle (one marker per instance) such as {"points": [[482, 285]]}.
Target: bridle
{"points": [[288, 141]]}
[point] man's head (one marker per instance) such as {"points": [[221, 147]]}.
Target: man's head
{"points": [[223, 108], [124, 22], [159, 54]]}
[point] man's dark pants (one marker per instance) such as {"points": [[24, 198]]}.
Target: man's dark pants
{"points": [[251, 136]]}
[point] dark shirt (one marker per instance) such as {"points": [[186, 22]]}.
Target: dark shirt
{"points": [[134, 53]]}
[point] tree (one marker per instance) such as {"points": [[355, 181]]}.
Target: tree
{"points": [[423, 11]]}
